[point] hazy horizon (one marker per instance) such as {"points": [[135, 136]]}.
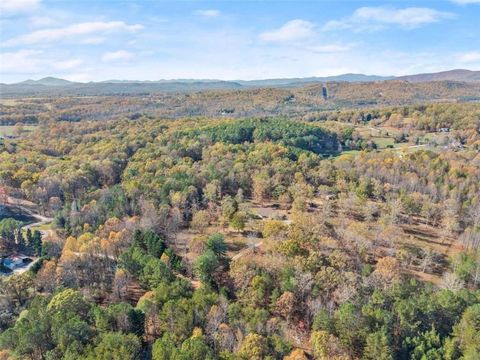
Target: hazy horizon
{"points": [[143, 40], [225, 80]]}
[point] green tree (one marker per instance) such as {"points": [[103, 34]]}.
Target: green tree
{"points": [[200, 220], [467, 332], [31, 332], [195, 348], [154, 273], [254, 347], [165, 349], [426, 346], [238, 221], [67, 302], [348, 325], [154, 245], [36, 242], [216, 243], [322, 321], [133, 260], [229, 207], [120, 317], [70, 334], [117, 346], [205, 266], [10, 230], [320, 342], [176, 318], [28, 236], [377, 347]]}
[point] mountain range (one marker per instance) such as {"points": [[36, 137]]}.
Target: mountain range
{"points": [[56, 86]]}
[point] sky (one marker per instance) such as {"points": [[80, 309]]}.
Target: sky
{"points": [[151, 40]]}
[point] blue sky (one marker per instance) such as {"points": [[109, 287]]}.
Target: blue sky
{"points": [[151, 40]]}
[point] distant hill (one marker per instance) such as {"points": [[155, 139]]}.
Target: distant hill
{"points": [[452, 75], [55, 86], [112, 88], [302, 81], [305, 102], [47, 81]]}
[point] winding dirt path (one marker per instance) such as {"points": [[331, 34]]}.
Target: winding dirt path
{"points": [[247, 251], [29, 208]]}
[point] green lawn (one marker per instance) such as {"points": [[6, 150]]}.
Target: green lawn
{"points": [[39, 228], [351, 152], [383, 142], [43, 227]]}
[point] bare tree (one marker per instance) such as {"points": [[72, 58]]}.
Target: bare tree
{"points": [[452, 282], [427, 259]]}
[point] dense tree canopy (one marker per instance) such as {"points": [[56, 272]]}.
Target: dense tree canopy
{"points": [[254, 238]]}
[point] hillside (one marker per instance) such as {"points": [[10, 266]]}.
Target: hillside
{"points": [[55, 87], [303, 101], [229, 238], [47, 81], [452, 75]]}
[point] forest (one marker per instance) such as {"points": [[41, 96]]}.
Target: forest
{"points": [[304, 100], [271, 227]]}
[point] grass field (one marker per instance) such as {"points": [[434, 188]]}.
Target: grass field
{"points": [[44, 227], [383, 142], [8, 130]]}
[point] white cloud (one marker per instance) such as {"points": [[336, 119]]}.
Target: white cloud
{"points": [[329, 48], [22, 61], [87, 28], [469, 57], [208, 13], [117, 56], [375, 18], [16, 6], [78, 77], [466, 2], [42, 21], [94, 40], [67, 64], [293, 30], [34, 62]]}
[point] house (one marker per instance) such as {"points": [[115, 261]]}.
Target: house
{"points": [[13, 262]]}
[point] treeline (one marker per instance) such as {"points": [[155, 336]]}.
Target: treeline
{"points": [[287, 133], [13, 239], [431, 117], [297, 102]]}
